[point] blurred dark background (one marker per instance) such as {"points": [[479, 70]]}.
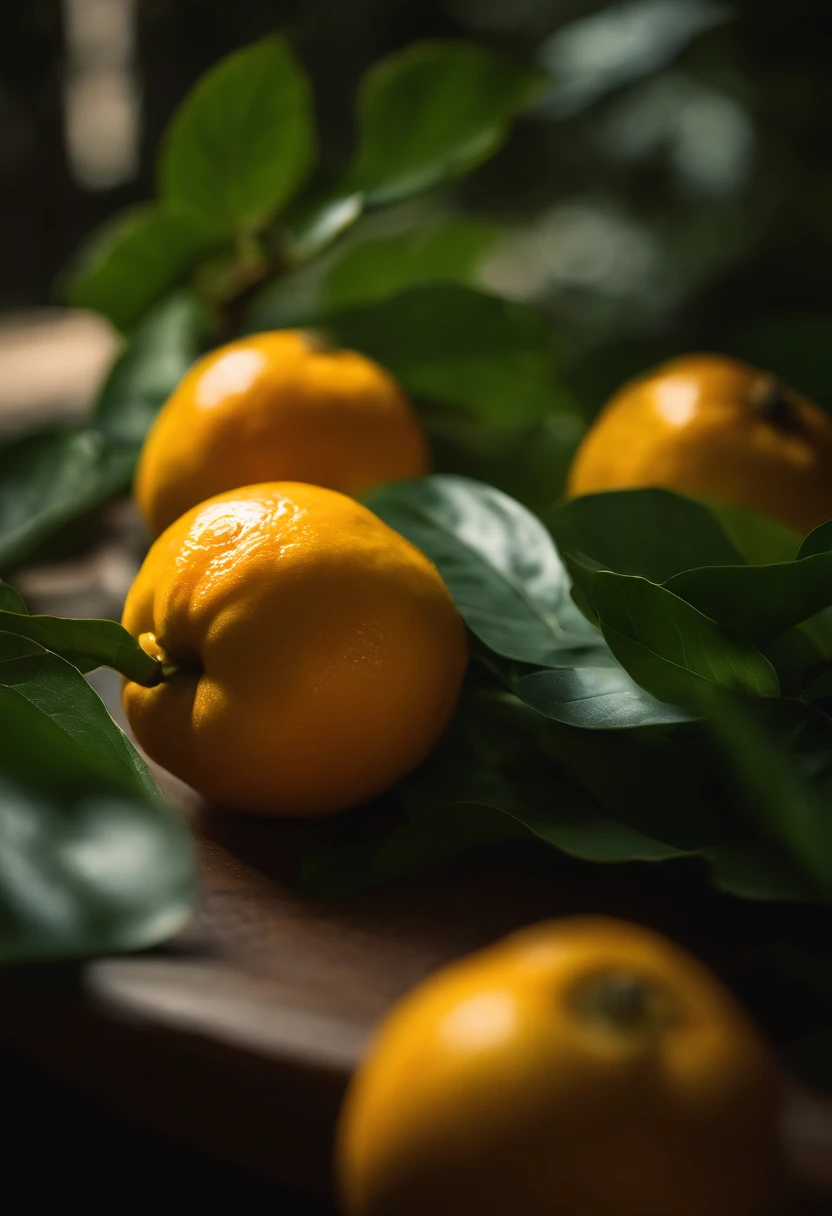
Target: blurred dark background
{"points": [[672, 191]]}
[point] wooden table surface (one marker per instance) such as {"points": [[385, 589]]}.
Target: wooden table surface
{"points": [[239, 1036]]}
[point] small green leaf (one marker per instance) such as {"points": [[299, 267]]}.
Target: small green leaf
{"points": [[45, 689], [136, 260], [498, 561], [447, 252], [432, 112], [669, 648], [595, 698], [10, 598], [52, 478], [461, 347], [242, 142], [773, 766], [86, 644], [653, 533], [758, 602], [818, 541], [148, 370]]}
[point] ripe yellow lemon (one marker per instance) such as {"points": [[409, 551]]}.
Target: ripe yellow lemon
{"points": [[312, 655], [277, 407], [586, 1067], [712, 426]]}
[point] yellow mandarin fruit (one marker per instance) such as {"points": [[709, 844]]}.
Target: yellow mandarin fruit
{"points": [[312, 655], [714, 427], [584, 1067], [277, 407]]}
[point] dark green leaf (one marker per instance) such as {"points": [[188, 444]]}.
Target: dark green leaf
{"points": [[51, 692], [10, 598], [457, 346], [776, 768], [758, 602], [758, 540], [669, 648], [86, 644], [432, 112], [242, 141], [650, 532], [595, 698], [498, 561], [136, 260], [755, 871], [461, 808], [52, 478], [149, 369], [665, 782], [448, 252], [819, 540], [89, 871]]}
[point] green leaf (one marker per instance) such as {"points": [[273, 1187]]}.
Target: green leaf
{"points": [[159, 354], [758, 602], [818, 541], [52, 478], [498, 561], [758, 540], [653, 533], [457, 346], [664, 782], [460, 808], [10, 598], [92, 860], [86, 871], [773, 766], [136, 260], [86, 644], [45, 689], [432, 112], [448, 252], [314, 221], [754, 871], [595, 698], [669, 648], [242, 142]]}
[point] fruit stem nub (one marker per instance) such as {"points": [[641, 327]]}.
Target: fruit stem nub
{"points": [[621, 1002], [771, 403]]}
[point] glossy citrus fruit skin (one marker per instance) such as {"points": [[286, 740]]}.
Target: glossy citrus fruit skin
{"points": [[714, 427], [319, 655], [493, 1088], [277, 407]]}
